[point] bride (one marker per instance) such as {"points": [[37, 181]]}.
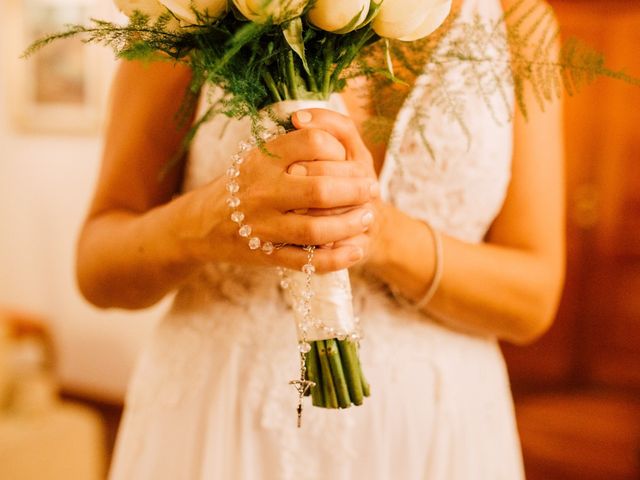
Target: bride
{"points": [[469, 240]]}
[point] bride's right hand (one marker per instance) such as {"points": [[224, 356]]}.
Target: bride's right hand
{"points": [[140, 241], [271, 198]]}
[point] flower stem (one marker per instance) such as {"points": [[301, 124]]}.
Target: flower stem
{"points": [[339, 381], [351, 370], [349, 56], [291, 76], [328, 389], [313, 86], [313, 373], [271, 86], [366, 389], [328, 64]]}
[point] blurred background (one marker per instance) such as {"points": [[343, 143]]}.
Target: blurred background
{"points": [[577, 390], [64, 365]]}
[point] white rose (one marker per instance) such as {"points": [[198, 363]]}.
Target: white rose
{"points": [[410, 20], [278, 11], [184, 9], [336, 16], [152, 8]]}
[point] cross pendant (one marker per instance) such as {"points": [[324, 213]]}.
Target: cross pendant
{"points": [[302, 386]]}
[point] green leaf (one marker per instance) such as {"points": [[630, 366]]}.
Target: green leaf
{"points": [[353, 23], [373, 11], [292, 32], [244, 35], [387, 58]]}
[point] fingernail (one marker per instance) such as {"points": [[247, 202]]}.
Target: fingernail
{"points": [[374, 189], [303, 116], [367, 218], [356, 254], [297, 170]]}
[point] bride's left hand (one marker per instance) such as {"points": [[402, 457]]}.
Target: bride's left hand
{"points": [[359, 163]]}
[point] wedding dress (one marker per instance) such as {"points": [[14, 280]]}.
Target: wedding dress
{"points": [[210, 397]]}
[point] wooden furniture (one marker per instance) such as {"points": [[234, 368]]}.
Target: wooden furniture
{"points": [[62, 443], [41, 435], [578, 389]]}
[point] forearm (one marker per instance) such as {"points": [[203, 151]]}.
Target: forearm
{"points": [[485, 288], [131, 260]]}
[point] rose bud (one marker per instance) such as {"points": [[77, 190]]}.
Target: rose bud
{"points": [[410, 20], [339, 17], [151, 8], [185, 10], [276, 11]]}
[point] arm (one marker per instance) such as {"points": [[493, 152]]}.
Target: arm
{"points": [[510, 284], [140, 241], [128, 211]]}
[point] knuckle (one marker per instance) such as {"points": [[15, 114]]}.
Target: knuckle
{"points": [[309, 232], [347, 121], [364, 192], [361, 169], [350, 125], [314, 169], [320, 192], [352, 169], [315, 138], [316, 231], [328, 263]]}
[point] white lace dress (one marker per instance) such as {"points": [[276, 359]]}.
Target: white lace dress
{"points": [[210, 397]]}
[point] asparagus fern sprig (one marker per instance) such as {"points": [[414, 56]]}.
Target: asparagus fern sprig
{"points": [[519, 53]]}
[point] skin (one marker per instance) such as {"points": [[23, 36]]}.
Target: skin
{"points": [[140, 241]]}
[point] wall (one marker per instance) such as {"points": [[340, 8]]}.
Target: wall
{"points": [[45, 186]]}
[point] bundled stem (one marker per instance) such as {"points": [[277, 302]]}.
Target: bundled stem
{"points": [[334, 366]]}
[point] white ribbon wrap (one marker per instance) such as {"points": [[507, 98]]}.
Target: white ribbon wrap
{"points": [[331, 305]]}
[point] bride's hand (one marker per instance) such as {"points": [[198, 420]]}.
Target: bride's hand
{"points": [[274, 195], [359, 163]]}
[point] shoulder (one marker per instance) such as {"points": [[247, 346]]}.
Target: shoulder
{"points": [[533, 33], [154, 76], [528, 13]]}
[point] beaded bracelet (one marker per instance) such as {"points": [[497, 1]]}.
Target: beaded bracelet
{"points": [[438, 267]]}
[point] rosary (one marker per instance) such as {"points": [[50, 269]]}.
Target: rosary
{"points": [[302, 384]]}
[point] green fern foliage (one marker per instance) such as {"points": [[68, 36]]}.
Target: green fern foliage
{"points": [[517, 56]]}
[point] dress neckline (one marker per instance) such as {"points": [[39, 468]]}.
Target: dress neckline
{"points": [[407, 111]]}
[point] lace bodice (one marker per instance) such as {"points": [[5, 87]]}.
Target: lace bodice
{"points": [[452, 170]]}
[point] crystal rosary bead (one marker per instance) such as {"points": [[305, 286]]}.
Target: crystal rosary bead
{"points": [[254, 243], [244, 231], [237, 217], [268, 248], [233, 187]]}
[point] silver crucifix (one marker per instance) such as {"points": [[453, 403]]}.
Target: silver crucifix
{"points": [[302, 386]]}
